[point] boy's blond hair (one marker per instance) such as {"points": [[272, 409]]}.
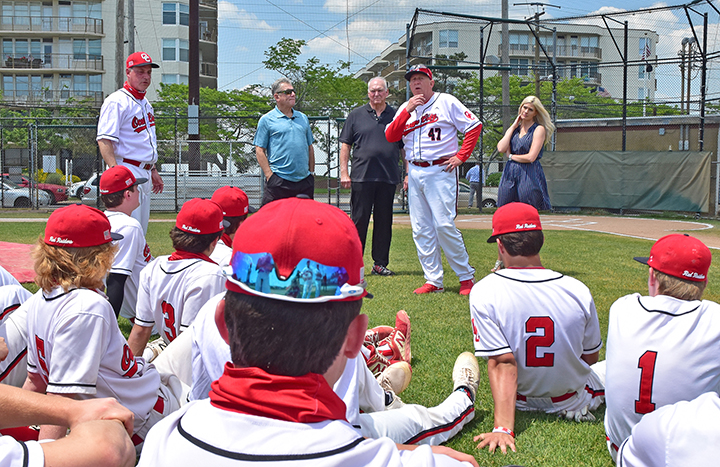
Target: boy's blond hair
{"points": [[72, 267], [682, 289]]}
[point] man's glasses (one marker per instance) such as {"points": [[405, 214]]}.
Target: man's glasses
{"points": [[309, 281], [287, 92]]}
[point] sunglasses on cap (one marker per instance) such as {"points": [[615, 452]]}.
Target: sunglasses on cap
{"points": [[309, 282], [286, 92]]}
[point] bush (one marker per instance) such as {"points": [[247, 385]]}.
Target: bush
{"points": [[493, 179], [54, 178]]}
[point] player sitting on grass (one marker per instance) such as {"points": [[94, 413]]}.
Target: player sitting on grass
{"points": [[274, 403], [173, 288], [537, 328], [234, 203], [119, 193], [75, 348], [662, 348]]}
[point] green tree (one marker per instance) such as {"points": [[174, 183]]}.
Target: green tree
{"points": [[447, 79]]}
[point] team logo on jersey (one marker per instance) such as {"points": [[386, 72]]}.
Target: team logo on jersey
{"points": [[425, 120], [139, 125], [469, 115], [525, 226], [193, 229], [65, 241], [693, 275]]}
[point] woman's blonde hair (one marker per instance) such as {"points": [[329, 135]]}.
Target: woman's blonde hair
{"points": [[72, 267], [541, 115]]}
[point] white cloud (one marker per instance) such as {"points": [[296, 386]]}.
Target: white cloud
{"points": [[336, 45], [230, 14]]}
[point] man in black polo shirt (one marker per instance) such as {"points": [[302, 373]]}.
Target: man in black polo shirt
{"points": [[375, 171]]}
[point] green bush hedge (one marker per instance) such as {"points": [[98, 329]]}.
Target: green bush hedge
{"points": [[493, 179]]}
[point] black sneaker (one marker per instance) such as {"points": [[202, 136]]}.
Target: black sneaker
{"points": [[379, 270]]}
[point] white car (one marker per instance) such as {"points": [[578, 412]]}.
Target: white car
{"points": [[76, 189], [14, 196], [489, 196]]}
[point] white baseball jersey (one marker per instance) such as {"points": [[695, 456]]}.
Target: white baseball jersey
{"points": [[222, 254], [132, 256], [75, 345], [172, 292], [20, 454], [431, 131], [660, 350], [130, 124], [684, 433], [201, 434], [547, 321], [6, 278], [13, 370]]}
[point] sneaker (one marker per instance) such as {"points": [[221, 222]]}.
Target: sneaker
{"points": [[156, 347], [396, 377], [428, 288], [466, 286], [402, 324], [466, 373], [380, 270]]}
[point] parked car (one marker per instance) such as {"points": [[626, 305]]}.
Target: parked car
{"points": [[57, 192], [14, 196], [489, 196], [77, 189]]}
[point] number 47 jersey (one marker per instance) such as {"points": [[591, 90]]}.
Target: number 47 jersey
{"points": [[660, 350], [547, 320]]}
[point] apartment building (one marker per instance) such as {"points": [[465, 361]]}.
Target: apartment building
{"points": [[55, 52]]}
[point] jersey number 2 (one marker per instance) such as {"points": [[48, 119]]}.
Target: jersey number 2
{"points": [[646, 363], [434, 134], [169, 318], [533, 324]]}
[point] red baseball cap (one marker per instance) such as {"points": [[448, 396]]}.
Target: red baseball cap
{"points": [[418, 69], [201, 216], [232, 200], [514, 217], [140, 59], [78, 226], [297, 229], [681, 256], [118, 178]]}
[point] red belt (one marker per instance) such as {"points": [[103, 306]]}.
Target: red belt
{"points": [[142, 165], [557, 399], [429, 163], [159, 407]]}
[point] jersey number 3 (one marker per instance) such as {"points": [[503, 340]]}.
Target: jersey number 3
{"points": [[169, 318], [533, 324], [646, 363]]}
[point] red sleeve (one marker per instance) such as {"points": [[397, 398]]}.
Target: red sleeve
{"points": [[394, 131], [469, 142]]}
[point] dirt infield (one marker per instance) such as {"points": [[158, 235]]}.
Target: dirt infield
{"points": [[649, 229]]}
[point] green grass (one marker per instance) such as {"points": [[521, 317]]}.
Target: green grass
{"points": [[441, 328]]}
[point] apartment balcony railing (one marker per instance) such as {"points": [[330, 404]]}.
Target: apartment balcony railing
{"points": [[208, 69], [72, 62], [208, 35], [51, 97], [563, 51], [209, 3], [57, 24]]}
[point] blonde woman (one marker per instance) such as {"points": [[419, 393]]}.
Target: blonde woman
{"points": [[523, 179]]}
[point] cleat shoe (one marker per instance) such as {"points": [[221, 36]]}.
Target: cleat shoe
{"points": [[380, 270], [466, 373], [396, 377], [154, 349], [392, 401], [466, 286], [402, 324], [378, 333], [376, 362], [428, 288]]}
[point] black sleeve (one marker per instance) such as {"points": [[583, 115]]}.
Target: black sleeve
{"points": [[116, 291]]}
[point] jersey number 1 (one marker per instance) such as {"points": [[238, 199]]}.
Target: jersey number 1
{"points": [[533, 324], [646, 363]]}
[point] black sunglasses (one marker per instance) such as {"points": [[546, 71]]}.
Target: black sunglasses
{"points": [[287, 92]]}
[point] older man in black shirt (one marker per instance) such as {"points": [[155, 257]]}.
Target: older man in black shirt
{"points": [[375, 171]]}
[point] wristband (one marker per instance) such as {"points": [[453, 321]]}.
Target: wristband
{"points": [[502, 429], [510, 157]]}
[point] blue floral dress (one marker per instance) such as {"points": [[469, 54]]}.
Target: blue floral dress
{"points": [[520, 182]]}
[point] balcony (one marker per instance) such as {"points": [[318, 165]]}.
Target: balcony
{"points": [[51, 24], [208, 69], [50, 97], [209, 3], [563, 51], [54, 62]]}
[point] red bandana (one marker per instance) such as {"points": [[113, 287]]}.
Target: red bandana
{"points": [[139, 95], [226, 240], [301, 399], [179, 254]]}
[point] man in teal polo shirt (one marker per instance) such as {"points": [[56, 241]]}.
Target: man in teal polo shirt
{"points": [[283, 147]]}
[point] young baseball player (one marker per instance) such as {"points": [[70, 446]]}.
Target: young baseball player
{"points": [[120, 193], [661, 347], [6, 278], [537, 328], [75, 348], [278, 392], [126, 131], [173, 288], [428, 124], [235, 206], [13, 329]]}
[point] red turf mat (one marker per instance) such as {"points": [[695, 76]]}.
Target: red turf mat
{"points": [[15, 257]]}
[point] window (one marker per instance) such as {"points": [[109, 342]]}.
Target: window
{"points": [[519, 66], [589, 43], [519, 41], [21, 85], [80, 85], [8, 85], [95, 83], [174, 79], [175, 50], [176, 13], [645, 48], [448, 38], [643, 93], [94, 49], [641, 71], [79, 49], [547, 42]]}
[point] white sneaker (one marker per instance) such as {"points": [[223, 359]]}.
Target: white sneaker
{"points": [[156, 347], [396, 377], [466, 372]]}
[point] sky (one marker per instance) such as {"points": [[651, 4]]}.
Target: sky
{"points": [[358, 30]]}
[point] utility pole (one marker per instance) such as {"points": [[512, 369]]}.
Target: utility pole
{"points": [[119, 44], [131, 26], [536, 17], [194, 159], [505, 74]]}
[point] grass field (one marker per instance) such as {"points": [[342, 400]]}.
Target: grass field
{"points": [[441, 328]]}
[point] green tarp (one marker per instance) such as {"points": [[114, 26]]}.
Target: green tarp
{"points": [[660, 181]]}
